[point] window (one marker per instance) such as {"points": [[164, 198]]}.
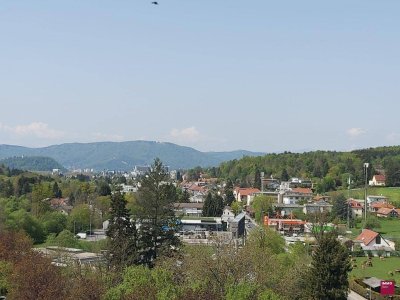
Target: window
{"points": [[378, 240]]}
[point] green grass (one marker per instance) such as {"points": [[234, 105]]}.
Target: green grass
{"points": [[379, 269], [393, 193], [390, 228]]}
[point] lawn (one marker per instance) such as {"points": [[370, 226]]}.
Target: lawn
{"points": [[379, 269], [390, 228], [392, 193]]}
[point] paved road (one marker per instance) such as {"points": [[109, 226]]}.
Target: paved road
{"points": [[355, 296]]}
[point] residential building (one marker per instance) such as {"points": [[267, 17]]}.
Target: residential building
{"points": [[227, 215], [298, 195], [245, 195], [385, 212], [317, 207], [374, 207], [372, 199], [285, 225], [378, 180], [357, 207], [372, 241]]}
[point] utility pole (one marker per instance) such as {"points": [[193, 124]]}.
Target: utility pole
{"points": [[262, 181], [366, 166], [348, 204]]}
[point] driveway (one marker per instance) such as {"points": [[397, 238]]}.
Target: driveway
{"points": [[355, 296]]}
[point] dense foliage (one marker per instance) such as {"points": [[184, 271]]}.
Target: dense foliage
{"points": [[329, 170], [32, 163]]}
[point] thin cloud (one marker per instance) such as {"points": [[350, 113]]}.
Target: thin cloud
{"points": [[355, 132], [186, 134], [37, 129]]}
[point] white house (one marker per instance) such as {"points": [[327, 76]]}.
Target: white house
{"points": [[378, 180], [298, 194], [227, 215], [373, 241], [245, 195]]}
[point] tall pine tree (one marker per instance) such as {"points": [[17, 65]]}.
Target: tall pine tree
{"points": [[328, 275], [158, 224], [123, 247]]}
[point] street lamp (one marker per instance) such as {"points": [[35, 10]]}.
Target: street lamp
{"points": [[366, 166]]}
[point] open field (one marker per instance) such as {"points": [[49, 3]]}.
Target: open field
{"points": [[379, 269], [390, 228], [393, 193]]}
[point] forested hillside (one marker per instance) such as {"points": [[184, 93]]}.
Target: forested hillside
{"points": [[31, 163], [330, 170]]}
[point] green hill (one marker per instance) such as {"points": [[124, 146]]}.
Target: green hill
{"points": [[31, 163], [124, 155]]}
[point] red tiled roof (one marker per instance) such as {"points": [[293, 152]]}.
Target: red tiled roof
{"points": [[196, 188], [367, 236], [380, 177], [302, 190], [385, 211], [355, 204], [247, 191], [378, 205]]}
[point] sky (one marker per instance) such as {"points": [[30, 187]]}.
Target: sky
{"points": [[215, 75]]}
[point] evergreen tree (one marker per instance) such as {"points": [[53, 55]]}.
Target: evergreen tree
{"points": [[228, 190], [213, 206], [185, 197], [340, 207], [328, 275], [155, 199], [284, 175], [56, 191], [122, 233], [207, 207]]}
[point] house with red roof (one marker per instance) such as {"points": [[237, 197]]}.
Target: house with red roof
{"points": [[371, 241], [378, 180], [245, 195], [385, 212], [374, 207], [357, 207]]}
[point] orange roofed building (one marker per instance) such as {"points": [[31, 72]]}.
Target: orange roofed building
{"points": [[245, 195], [370, 240], [286, 225]]}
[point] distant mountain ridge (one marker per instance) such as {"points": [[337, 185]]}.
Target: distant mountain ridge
{"points": [[125, 155]]}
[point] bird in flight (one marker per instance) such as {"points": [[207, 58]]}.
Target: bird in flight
{"points": [[154, 2]]}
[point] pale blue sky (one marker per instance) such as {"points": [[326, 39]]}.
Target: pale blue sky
{"points": [[211, 74]]}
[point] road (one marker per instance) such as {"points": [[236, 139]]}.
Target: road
{"points": [[355, 296], [250, 223]]}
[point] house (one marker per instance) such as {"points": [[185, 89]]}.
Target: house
{"points": [[385, 212], [322, 197], [372, 199], [285, 225], [227, 215], [317, 207], [374, 207], [373, 242], [296, 195], [378, 180], [357, 207], [245, 195], [61, 205]]}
